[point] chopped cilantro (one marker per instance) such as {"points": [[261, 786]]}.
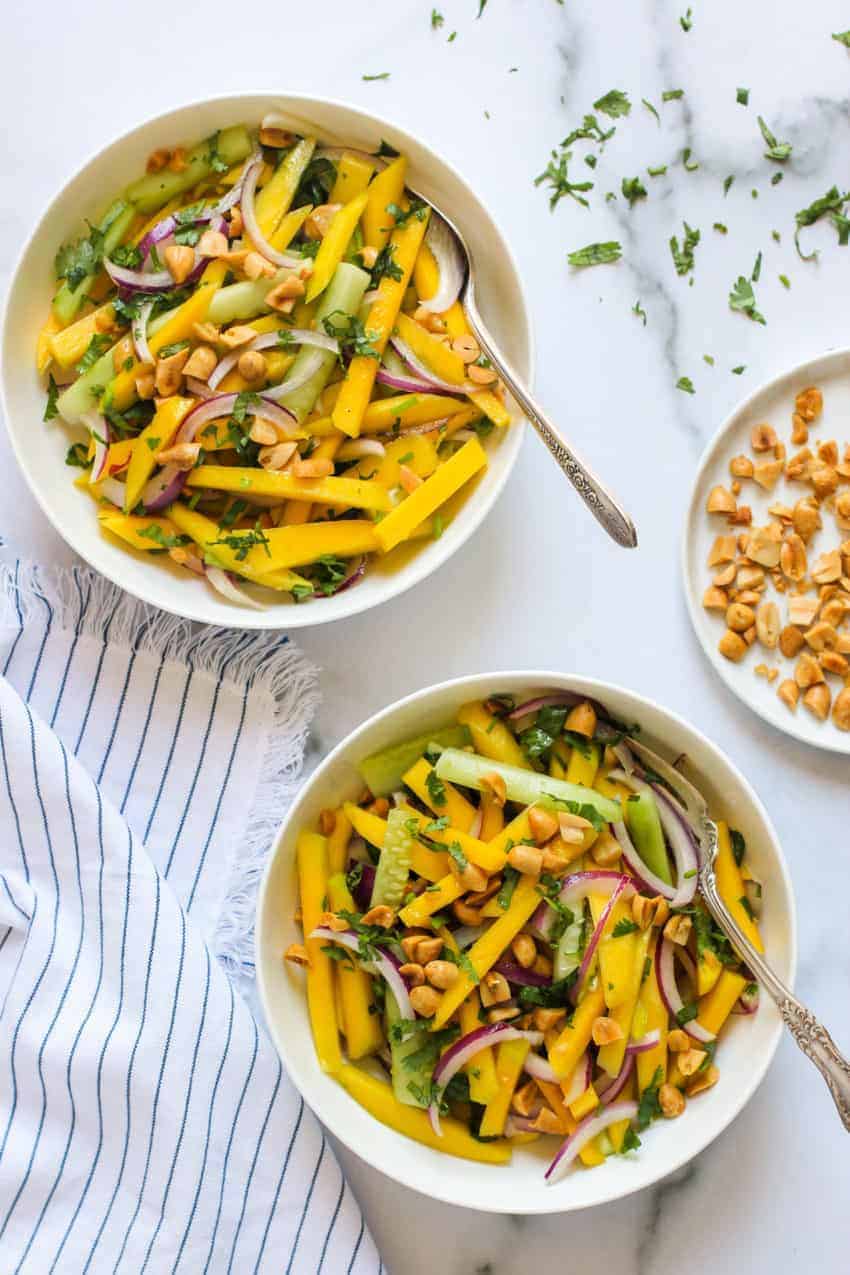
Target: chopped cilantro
{"points": [[720, 228], [216, 163], [630, 1142], [659, 171], [633, 189], [174, 348], [385, 266], [742, 97], [747, 906], [401, 216], [436, 788], [624, 926], [595, 254], [510, 876], [683, 258], [458, 858], [382, 75], [736, 371], [437, 19], [50, 408], [672, 95], [778, 151], [165, 541], [785, 281], [98, 344], [78, 456], [614, 104], [843, 37], [739, 845], [685, 383], [649, 1106], [690, 165], [76, 261], [743, 298], [556, 175], [727, 182], [354, 339], [687, 21], [687, 1013], [651, 109], [553, 996], [241, 542], [756, 269], [638, 310]]}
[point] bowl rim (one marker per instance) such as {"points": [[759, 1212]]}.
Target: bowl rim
{"points": [[832, 741], [423, 564], [470, 683]]}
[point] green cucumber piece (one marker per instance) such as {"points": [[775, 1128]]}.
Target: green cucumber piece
{"points": [[150, 192], [644, 825], [85, 392], [411, 1084], [568, 950], [384, 771], [341, 297], [113, 227], [243, 300], [393, 868], [525, 786]]}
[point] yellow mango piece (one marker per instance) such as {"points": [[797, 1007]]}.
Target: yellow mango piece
{"points": [[425, 500], [491, 737], [44, 344], [476, 851], [708, 972], [206, 533], [312, 857], [347, 492], [287, 228], [575, 1037], [651, 1012], [379, 1100], [386, 188], [584, 1103], [583, 769], [417, 452], [617, 1131], [122, 389], [615, 955], [362, 1029], [360, 377], [299, 546], [716, 1007], [437, 357], [609, 788], [338, 841], [610, 1057], [69, 345], [428, 863], [353, 173], [460, 812], [448, 888], [277, 193], [510, 1056], [481, 1069], [408, 409], [486, 950], [492, 817], [426, 274], [334, 245], [485, 400], [130, 528], [155, 437], [297, 512], [730, 883]]}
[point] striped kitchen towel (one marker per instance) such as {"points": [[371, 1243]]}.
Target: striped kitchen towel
{"points": [[145, 1122]]}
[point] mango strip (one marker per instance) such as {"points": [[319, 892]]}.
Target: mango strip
{"points": [[312, 857], [334, 245], [716, 1007], [287, 228], [297, 512], [575, 1037], [353, 174], [70, 344], [510, 1056], [432, 900], [651, 1012], [460, 812], [491, 737], [488, 402], [730, 884], [205, 533], [298, 546], [489, 947], [360, 378], [437, 357], [425, 500], [347, 492], [338, 841], [610, 1057], [155, 437], [129, 528], [386, 188], [44, 344], [379, 1100], [401, 410], [277, 194], [362, 1029]]}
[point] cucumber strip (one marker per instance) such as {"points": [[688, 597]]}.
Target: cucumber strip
{"points": [[393, 867], [114, 226], [644, 825], [341, 298], [150, 192], [411, 1084], [82, 395], [525, 786], [242, 300], [384, 771], [568, 950]]}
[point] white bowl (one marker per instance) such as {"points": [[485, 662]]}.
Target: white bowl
{"points": [[40, 449], [748, 1044], [772, 402]]}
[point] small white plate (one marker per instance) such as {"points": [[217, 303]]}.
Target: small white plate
{"points": [[772, 403]]}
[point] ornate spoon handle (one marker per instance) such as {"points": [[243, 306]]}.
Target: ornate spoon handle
{"points": [[809, 1033], [599, 501]]}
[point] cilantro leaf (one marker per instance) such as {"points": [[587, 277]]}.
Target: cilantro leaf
{"points": [[383, 75], [552, 996], [437, 19], [595, 254], [630, 1142], [683, 258], [672, 95], [216, 163], [638, 310], [614, 104], [455, 853], [633, 189], [843, 37], [743, 298], [98, 344], [686, 22], [436, 788], [778, 151], [557, 176], [651, 109], [686, 384], [649, 1107], [624, 926], [78, 456], [50, 408], [77, 261], [742, 97]]}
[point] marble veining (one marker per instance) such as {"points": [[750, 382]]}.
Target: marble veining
{"points": [[539, 586]]}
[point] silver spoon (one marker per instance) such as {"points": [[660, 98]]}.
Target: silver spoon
{"points": [[810, 1034], [598, 499]]}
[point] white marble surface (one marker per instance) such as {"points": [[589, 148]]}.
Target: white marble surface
{"points": [[539, 586]]}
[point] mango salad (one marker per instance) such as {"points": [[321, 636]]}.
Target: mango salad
{"points": [[503, 938], [262, 352]]}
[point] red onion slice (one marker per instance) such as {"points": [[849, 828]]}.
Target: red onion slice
{"points": [[580, 1079], [477, 822], [665, 973], [644, 875], [354, 577], [384, 964], [110, 489], [222, 405], [611, 1092], [140, 333], [98, 427], [539, 1068], [578, 885], [224, 584], [459, 1054], [265, 341], [356, 449], [425, 374], [645, 1043], [138, 280], [450, 261], [466, 935], [249, 217], [199, 388], [748, 1001], [584, 1132], [336, 153], [678, 834], [307, 372], [163, 489], [407, 384], [515, 973]]}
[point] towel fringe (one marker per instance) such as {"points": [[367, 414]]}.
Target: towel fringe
{"points": [[79, 599]]}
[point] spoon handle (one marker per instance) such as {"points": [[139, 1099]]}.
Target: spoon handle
{"points": [[599, 501], [809, 1033]]}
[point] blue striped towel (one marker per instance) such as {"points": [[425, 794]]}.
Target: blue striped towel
{"points": [[145, 1122]]}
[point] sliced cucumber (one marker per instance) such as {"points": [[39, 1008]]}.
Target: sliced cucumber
{"points": [[393, 868], [644, 825], [150, 192], [524, 786], [342, 299], [411, 1084], [384, 771]]}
